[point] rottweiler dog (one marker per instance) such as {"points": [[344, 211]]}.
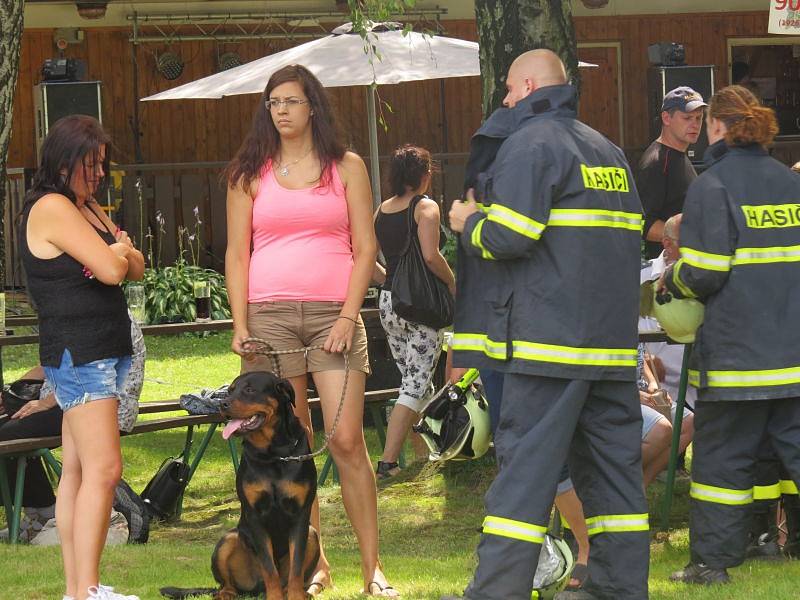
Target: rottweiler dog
{"points": [[273, 548]]}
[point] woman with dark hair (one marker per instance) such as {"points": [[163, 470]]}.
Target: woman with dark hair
{"points": [[303, 204], [415, 347], [75, 259], [740, 256]]}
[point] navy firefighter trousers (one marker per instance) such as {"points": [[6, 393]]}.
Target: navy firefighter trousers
{"points": [[596, 427]]}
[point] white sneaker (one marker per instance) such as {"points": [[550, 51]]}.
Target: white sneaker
{"points": [[106, 593], [107, 588]]}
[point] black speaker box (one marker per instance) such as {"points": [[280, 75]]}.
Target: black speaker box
{"points": [[661, 80], [53, 101]]}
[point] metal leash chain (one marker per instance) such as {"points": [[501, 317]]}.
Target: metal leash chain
{"points": [[264, 348]]}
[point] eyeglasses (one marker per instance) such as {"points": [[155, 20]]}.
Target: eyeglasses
{"points": [[274, 104]]}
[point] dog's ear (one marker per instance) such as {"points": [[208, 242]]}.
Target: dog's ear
{"points": [[284, 391]]}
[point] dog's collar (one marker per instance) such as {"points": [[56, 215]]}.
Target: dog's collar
{"points": [[283, 453]]}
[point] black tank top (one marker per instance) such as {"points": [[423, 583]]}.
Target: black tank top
{"points": [[391, 229], [76, 312]]}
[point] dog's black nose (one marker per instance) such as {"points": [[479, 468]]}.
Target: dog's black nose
{"points": [[225, 404]]}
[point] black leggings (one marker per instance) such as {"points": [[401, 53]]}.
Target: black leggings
{"points": [[37, 492]]}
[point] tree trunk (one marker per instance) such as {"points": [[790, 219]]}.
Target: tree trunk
{"points": [[10, 41], [507, 28]]}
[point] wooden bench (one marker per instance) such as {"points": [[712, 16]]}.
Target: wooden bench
{"points": [[22, 449]]}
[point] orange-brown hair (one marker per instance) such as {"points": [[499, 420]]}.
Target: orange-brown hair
{"points": [[746, 120]]}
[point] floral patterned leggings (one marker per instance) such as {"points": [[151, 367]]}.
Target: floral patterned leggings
{"points": [[416, 349]]}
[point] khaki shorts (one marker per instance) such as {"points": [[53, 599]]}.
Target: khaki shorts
{"points": [[288, 325]]}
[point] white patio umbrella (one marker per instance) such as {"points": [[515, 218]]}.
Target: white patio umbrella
{"points": [[340, 60]]}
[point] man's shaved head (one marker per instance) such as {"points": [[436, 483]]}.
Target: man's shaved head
{"points": [[532, 70]]}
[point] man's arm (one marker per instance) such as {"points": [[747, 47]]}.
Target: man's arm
{"points": [[651, 183], [517, 207]]}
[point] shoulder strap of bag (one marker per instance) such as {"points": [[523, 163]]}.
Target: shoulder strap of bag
{"points": [[411, 207]]}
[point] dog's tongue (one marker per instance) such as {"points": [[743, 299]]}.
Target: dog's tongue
{"points": [[231, 428]]}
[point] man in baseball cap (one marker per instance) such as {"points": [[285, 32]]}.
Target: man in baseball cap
{"points": [[664, 172]]}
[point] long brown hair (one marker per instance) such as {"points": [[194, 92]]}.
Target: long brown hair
{"points": [[746, 120], [263, 141], [68, 143]]}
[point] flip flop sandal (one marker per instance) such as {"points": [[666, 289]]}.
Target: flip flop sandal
{"points": [[386, 470], [320, 587], [381, 589], [579, 572]]}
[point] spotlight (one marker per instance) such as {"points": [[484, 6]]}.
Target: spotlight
{"points": [[228, 60], [170, 65]]}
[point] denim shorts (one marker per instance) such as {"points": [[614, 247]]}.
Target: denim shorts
{"points": [[78, 384]]}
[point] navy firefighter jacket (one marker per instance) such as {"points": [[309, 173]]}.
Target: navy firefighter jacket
{"points": [[558, 237], [740, 255]]}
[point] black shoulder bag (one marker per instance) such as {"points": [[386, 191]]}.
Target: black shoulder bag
{"points": [[417, 294]]}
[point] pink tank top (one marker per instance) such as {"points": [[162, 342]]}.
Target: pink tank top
{"points": [[301, 242]]}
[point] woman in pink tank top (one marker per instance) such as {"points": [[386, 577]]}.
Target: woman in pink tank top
{"points": [[301, 251]]}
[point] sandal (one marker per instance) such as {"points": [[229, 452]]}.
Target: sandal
{"points": [[384, 591], [386, 470], [315, 588], [580, 573]]}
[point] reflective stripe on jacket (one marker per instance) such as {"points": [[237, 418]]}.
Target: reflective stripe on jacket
{"points": [[558, 238], [740, 255]]}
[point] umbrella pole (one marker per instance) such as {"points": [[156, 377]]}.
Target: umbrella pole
{"points": [[374, 166]]}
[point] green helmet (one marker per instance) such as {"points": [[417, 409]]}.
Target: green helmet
{"points": [[554, 568], [455, 423], [679, 318]]}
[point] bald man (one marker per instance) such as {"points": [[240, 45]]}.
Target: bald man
{"points": [[558, 234]]}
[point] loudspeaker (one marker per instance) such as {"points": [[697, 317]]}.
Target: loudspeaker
{"points": [[661, 80], [53, 101]]}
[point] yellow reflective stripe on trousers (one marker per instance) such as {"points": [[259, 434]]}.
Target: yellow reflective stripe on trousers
{"points": [[722, 379], [718, 495], [515, 221], [579, 217], [476, 240], [706, 260], [775, 254], [788, 487], [478, 342], [767, 492], [617, 523], [611, 357], [517, 530], [676, 279]]}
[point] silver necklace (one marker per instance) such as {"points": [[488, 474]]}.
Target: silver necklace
{"points": [[284, 169]]}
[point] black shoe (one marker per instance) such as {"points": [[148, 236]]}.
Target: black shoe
{"points": [[764, 549], [701, 574], [575, 595]]}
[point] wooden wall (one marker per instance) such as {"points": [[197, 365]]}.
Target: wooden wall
{"points": [[210, 130], [197, 130], [704, 36]]}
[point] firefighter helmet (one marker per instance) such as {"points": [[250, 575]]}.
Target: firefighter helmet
{"points": [[455, 423]]}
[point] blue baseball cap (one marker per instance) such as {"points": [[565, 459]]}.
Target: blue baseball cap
{"points": [[683, 98]]}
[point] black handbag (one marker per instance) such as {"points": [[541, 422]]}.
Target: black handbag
{"points": [[164, 490], [418, 295], [19, 393]]}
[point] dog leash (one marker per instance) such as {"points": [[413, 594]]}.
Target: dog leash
{"points": [[264, 348]]}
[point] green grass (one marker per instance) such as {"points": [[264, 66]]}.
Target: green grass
{"points": [[428, 516]]}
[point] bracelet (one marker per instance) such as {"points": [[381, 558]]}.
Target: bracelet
{"points": [[348, 318]]}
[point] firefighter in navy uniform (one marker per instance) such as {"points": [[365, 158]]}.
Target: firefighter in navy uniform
{"points": [[562, 220], [740, 255]]}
